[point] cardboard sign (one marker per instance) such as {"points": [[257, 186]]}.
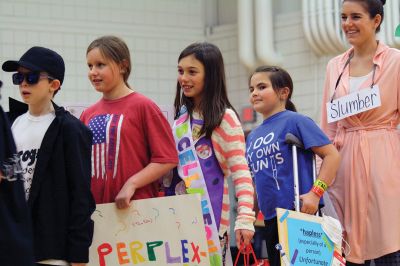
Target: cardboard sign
{"points": [[352, 104], [303, 239], [157, 231]]}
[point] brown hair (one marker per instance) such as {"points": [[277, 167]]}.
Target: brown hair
{"points": [[373, 7], [114, 49], [215, 97], [279, 78]]}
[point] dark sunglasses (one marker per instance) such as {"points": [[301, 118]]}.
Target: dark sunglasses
{"points": [[30, 77]]}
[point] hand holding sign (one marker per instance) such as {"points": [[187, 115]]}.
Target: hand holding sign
{"points": [[303, 239], [158, 231]]}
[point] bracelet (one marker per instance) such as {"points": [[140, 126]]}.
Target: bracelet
{"points": [[321, 184], [318, 191]]}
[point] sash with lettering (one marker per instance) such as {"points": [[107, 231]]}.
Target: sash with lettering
{"points": [[197, 160]]}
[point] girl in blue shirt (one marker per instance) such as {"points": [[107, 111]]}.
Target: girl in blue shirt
{"points": [[270, 158]]}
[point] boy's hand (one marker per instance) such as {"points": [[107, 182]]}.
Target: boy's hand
{"points": [[310, 202], [78, 264], [124, 196]]}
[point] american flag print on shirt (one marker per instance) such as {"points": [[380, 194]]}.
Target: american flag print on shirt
{"points": [[106, 130]]}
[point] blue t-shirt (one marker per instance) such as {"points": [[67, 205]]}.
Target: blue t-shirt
{"points": [[270, 159]]}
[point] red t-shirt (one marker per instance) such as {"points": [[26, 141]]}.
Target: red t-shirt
{"points": [[128, 134]]}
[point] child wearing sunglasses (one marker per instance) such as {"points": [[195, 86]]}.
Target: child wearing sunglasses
{"points": [[54, 149]]}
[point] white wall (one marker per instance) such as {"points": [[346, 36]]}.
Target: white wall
{"points": [[306, 70], [287, 6], [155, 31]]}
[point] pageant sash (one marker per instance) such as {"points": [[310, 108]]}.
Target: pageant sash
{"points": [[190, 172]]}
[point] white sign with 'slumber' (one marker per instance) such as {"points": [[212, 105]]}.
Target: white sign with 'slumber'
{"points": [[354, 103]]}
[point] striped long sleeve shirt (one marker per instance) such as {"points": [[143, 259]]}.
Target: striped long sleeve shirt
{"points": [[229, 147]]}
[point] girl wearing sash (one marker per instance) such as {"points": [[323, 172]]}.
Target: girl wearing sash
{"points": [[366, 191], [270, 157], [211, 147]]}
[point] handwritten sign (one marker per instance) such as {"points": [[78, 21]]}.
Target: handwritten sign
{"points": [[352, 104], [157, 231], [304, 240]]}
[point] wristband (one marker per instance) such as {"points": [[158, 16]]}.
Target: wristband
{"points": [[321, 184], [318, 191]]}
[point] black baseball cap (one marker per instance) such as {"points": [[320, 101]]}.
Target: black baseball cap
{"points": [[39, 59]]}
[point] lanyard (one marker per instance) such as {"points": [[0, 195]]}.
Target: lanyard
{"points": [[340, 76]]}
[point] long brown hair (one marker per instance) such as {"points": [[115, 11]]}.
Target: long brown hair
{"points": [[214, 99]]}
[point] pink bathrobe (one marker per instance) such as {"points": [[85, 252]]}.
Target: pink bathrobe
{"points": [[366, 191]]}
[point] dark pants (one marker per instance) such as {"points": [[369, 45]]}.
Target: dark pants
{"points": [[392, 259], [366, 263], [271, 239]]}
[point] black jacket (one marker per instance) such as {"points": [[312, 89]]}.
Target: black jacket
{"points": [[60, 199], [16, 246]]}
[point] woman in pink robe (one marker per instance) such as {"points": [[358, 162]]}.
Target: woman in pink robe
{"points": [[366, 191]]}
